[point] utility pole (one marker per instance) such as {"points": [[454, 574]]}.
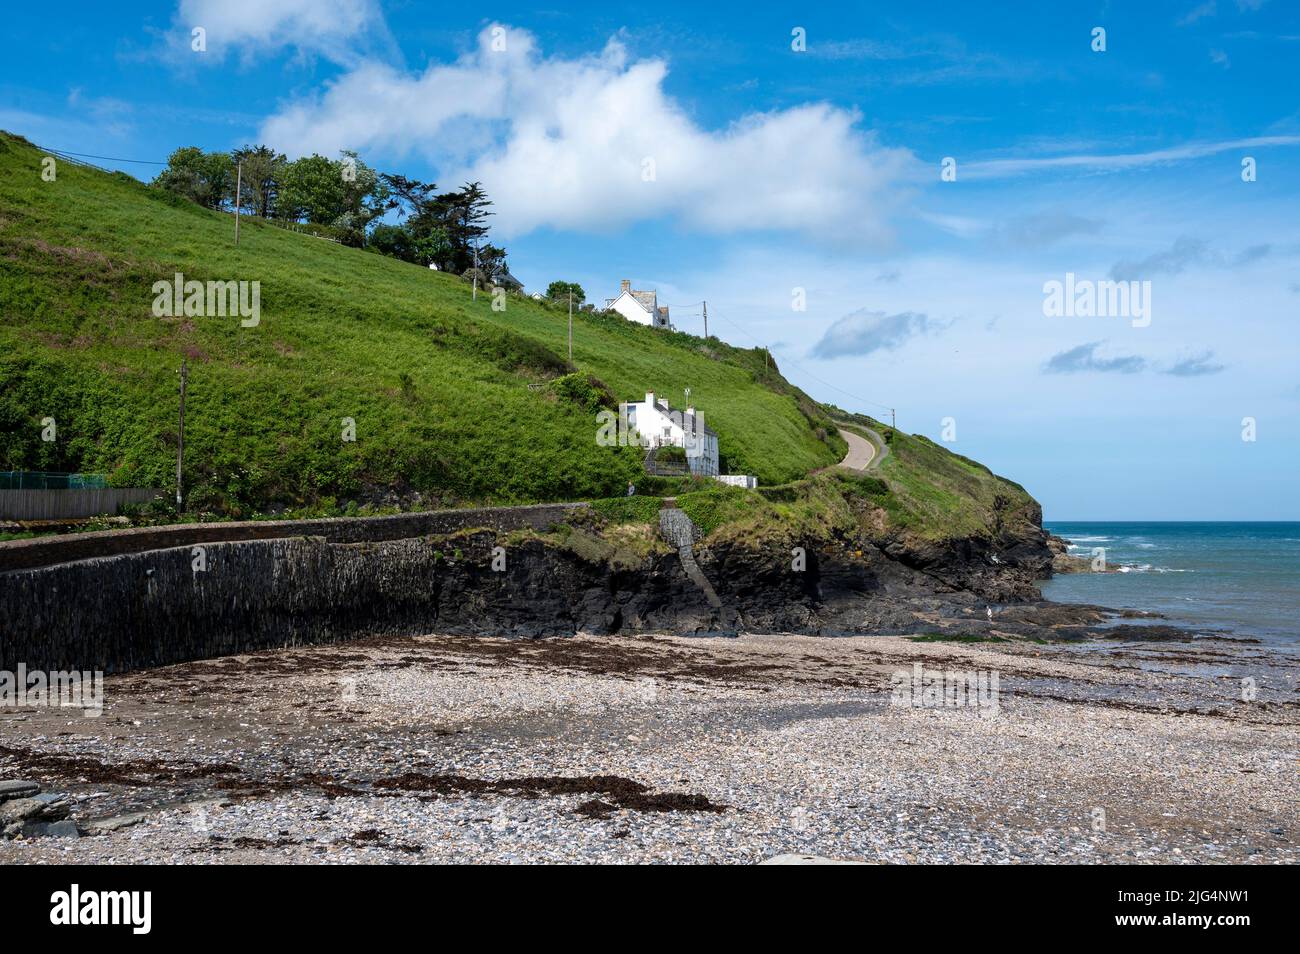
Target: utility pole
{"points": [[570, 327], [475, 269], [180, 437], [892, 425], [706, 321], [239, 187]]}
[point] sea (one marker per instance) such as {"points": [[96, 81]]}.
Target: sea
{"points": [[1239, 577]]}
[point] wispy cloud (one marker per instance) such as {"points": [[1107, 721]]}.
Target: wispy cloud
{"points": [[1005, 168], [1196, 366], [958, 225], [1044, 228], [1207, 9], [863, 332], [1085, 358], [1185, 253]]}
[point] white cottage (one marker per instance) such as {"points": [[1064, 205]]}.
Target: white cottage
{"points": [[661, 425], [640, 306]]}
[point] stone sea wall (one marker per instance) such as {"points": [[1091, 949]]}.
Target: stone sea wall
{"points": [[147, 609]]}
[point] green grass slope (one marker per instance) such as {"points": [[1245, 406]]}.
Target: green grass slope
{"points": [[449, 397], [932, 492]]}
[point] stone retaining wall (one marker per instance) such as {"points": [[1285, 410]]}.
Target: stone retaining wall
{"points": [[138, 610], [65, 548]]}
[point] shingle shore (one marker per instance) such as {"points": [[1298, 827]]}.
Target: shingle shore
{"points": [[675, 750]]}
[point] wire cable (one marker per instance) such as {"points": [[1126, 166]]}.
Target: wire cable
{"points": [[87, 155]]}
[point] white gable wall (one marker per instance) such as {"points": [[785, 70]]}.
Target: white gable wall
{"points": [[631, 309]]}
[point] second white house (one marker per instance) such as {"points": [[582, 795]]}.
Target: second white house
{"points": [[640, 306]]}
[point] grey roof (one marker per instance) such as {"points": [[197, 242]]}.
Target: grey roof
{"points": [[503, 276], [674, 410], [647, 299]]}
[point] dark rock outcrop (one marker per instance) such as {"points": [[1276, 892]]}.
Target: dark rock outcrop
{"points": [[153, 608]]}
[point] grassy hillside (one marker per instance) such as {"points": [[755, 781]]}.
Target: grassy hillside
{"points": [[449, 397], [935, 493]]}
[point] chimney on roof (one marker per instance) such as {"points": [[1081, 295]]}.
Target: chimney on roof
{"points": [[690, 409], [650, 398], [625, 285]]}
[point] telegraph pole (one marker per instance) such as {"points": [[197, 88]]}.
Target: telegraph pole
{"points": [[180, 438], [239, 187], [892, 425], [706, 321], [476, 269], [570, 327]]}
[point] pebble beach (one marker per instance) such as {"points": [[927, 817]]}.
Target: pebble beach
{"points": [[663, 749]]}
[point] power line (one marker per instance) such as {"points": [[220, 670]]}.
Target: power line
{"points": [[833, 387], [788, 361], [87, 155]]}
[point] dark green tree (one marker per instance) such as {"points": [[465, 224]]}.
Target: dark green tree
{"points": [[344, 194], [202, 177], [410, 197], [263, 172], [312, 190], [559, 291], [463, 214], [393, 240]]}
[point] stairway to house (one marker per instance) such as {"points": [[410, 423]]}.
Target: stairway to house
{"points": [[680, 531], [657, 468]]}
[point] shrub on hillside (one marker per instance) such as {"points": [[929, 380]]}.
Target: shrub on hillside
{"points": [[635, 509], [714, 506], [584, 390]]}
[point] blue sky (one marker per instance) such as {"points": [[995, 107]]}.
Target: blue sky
{"points": [[815, 174]]}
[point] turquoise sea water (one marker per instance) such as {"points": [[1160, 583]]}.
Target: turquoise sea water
{"points": [[1243, 577]]}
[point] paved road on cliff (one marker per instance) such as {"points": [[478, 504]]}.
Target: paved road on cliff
{"points": [[863, 454]]}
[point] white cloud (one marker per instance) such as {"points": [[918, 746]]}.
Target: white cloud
{"points": [[335, 29], [1206, 9], [565, 143], [1002, 168]]}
